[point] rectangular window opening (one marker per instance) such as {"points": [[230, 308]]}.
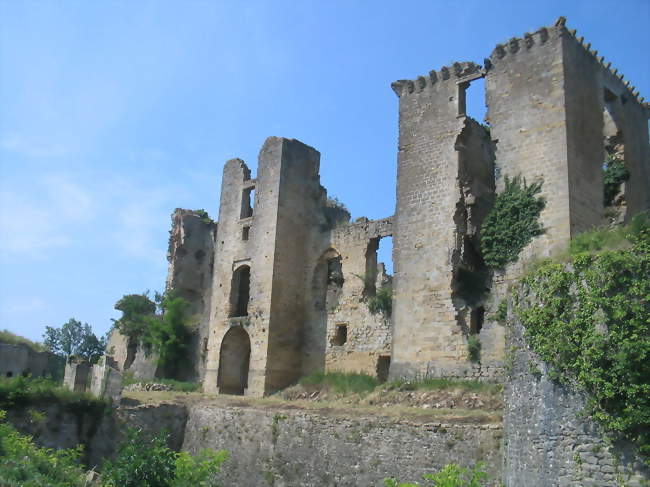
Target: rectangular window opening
{"points": [[341, 335], [247, 202], [245, 233]]}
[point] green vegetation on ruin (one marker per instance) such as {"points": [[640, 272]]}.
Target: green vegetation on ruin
{"points": [[163, 325], [20, 392], [139, 462], [11, 338], [381, 302], [450, 475], [614, 174], [590, 321], [512, 223], [24, 464]]}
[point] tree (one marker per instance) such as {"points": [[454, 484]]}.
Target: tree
{"points": [[137, 310], [74, 338], [168, 333]]}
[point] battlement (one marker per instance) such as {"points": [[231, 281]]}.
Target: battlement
{"points": [[542, 36], [614, 74], [457, 72], [516, 44]]}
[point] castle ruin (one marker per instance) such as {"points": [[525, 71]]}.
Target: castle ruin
{"points": [[280, 284]]}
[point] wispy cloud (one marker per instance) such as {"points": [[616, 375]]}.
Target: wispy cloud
{"points": [[36, 216]]}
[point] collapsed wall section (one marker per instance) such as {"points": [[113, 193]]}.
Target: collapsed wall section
{"points": [[602, 109], [341, 333], [444, 188], [191, 261]]}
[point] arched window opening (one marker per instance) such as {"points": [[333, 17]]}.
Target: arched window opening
{"points": [[234, 361], [327, 281], [240, 292]]}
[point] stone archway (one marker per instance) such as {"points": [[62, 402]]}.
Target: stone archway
{"points": [[234, 361]]}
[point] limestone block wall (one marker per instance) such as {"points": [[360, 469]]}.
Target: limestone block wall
{"points": [[442, 156], [303, 448], [233, 252], [549, 442], [105, 381], [77, 373], [298, 213], [274, 248], [526, 98], [191, 261], [133, 358], [592, 91], [367, 336], [16, 360]]}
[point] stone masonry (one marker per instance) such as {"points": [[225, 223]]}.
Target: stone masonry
{"points": [[280, 286]]}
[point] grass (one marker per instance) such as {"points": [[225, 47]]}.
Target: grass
{"points": [[175, 385], [601, 239], [21, 392], [11, 338], [341, 382], [434, 384]]}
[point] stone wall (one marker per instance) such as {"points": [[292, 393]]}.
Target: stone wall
{"points": [[341, 332], [16, 360], [191, 262], [99, 433], [300, 448], [271, 241], [548, 441], [444, 189], [133, 358]]}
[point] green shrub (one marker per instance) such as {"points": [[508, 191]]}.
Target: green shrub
{"points": [[24, 464], [474, 348], [614, 173], [501, 314], [203, 215], [591, 323], [512, 223], [168, 333], [382, 302], [341, 382], [21, 392], [600, 239], [142, 462], [450, 475]]}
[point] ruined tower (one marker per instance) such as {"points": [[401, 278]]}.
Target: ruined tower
{"points": [[555, 111], [260, 262]]}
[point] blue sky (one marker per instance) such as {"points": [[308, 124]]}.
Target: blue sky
{"points": [[112, 114]]}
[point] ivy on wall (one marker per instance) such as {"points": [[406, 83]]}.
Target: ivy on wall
{"points": [[512, 223], [614, 174], [590, 321]]}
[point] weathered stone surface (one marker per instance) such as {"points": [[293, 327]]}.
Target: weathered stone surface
{"points": [[300, 448], [18, 360], [549, 442], [77, 372]]}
